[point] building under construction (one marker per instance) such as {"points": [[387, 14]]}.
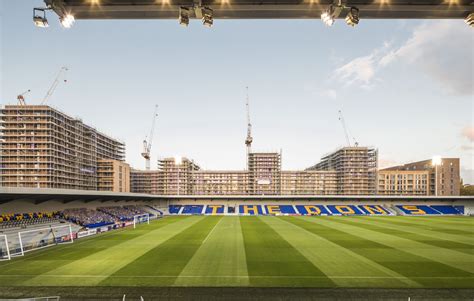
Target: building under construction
{"points": [[355, 168], [42, 147], [45, 148], [262, 177], [264, 173]]}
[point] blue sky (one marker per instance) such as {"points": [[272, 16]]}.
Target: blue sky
{"points": [[405, 87]]}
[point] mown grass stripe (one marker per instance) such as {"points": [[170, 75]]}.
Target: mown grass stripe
{"points": [[397, 259], [220, 261], [114, 258], [167, 258], [268, 254], [431, 238], [461, 222], [456, 260], [344, 267], [45, 260], [421, 222]]}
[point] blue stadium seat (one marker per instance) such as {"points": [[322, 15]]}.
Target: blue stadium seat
{"points": [[279, 209], [192, 209], [445, 209], [217, 209], [312, 210], [250, 209], [174, 209], [345, 210], [373, 209], [417, 210], [460, 209]]}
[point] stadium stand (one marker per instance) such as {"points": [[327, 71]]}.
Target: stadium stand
{"points": [[122, 213], [174, 209], [24, 220], [155, 211], [429, 210], [319, 209], [215, 209], [192, 209], [88, 217]]}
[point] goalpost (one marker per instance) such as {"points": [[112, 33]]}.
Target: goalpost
{"points": [[141, 218], [4, 249], [42, 238]]}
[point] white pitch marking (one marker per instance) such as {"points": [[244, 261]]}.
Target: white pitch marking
{"points": [[236, 276], [211, 231]]}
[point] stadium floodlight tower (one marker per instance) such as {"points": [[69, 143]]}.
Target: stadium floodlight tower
{"points": [[4, 248], [140, 219]]}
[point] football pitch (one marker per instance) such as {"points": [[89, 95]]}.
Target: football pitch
{"points": [[259, 251]]}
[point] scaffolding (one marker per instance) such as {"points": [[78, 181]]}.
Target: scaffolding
{"points": [[355, 167], [45, 148]]}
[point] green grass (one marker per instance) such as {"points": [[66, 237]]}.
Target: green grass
{"points": [[213, 251]]}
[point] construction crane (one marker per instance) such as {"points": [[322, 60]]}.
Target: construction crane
{"points": [[21, 98], [249, 139], [147, 144], [346, 132], [53, 87]]}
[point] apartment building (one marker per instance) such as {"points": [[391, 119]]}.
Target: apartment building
{"points": [[263, 177], [264, 172], [214, 182], [45, 148], [308, 182], [177, 175], [421, 178], [113, 175], [355, 167], [146, 181]]}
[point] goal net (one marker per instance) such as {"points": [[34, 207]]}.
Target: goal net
{"points": [[4, 249], [141, 219], [44, 237]]}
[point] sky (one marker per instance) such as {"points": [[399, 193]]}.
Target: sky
{"points": [[404, 86]]}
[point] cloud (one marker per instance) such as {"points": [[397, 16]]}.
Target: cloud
{"points": [[361, 71], [384, 163], [467, 147], [440, 49], [331, 93], [467, 175], [468, 132]]}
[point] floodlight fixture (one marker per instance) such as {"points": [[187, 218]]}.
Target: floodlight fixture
{"points": [[470, 20], [183, 16], [67, 20], [207, 17], [329, 15], [352, 18], [39, 17]]}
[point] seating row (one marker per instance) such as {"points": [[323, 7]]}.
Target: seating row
{"points": [[316, 209]]}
